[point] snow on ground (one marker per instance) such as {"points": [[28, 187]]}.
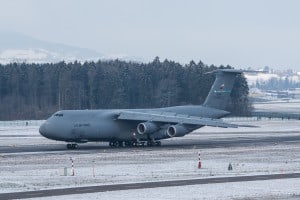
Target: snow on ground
{"points": [[44, 170], [291, 106], [267, 190]]}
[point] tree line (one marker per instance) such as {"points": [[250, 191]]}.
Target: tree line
{"points": [[278, 84], [35, 91]]}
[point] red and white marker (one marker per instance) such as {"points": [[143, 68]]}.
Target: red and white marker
{"points": [[72, 169], [199, 162]]}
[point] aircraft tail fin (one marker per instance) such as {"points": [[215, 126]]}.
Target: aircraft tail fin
{"points": [[219, 94]]}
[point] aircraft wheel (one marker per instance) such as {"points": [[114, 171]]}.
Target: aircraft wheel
{"points": [[131, 143], [72, 146], [122, 144], [149, 143], [158, 143], [117, 144], [141, 144], [128, 144], [111, 144]]}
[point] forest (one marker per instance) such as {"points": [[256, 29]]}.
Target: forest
{"points": [[278, 84], [35, 91]]}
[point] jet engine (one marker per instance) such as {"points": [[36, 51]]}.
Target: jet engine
{"points": [[177, 130], [147, 127]]}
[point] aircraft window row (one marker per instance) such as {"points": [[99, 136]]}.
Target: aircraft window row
{"points": [[81, 125], [59, 115]]}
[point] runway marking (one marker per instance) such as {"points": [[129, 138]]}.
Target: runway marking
{"points": [[143, 185]]}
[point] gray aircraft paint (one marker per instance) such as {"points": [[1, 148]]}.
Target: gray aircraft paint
{"points": [[76, 126], [220, 92]]}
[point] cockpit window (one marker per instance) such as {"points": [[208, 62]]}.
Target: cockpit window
{"points": [[59, 115]]}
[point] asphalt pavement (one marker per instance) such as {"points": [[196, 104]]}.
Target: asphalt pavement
{"points": [[144, 185]]}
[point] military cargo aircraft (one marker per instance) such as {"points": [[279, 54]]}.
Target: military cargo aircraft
{"points": [[139, 127]]}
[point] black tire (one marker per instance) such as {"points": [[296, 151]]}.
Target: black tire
{"points": [[72, 146], [149, 143], [128, 144], [158, 143], [122, 144], [116, 144]]}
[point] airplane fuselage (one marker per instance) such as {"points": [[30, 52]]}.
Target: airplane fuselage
{"points": [[101, 125], [130, 127]]}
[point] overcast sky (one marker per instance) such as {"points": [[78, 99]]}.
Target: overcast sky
{"points": [[253, 33]]}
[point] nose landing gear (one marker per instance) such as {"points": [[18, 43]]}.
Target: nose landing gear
{"points": [[72, 146]]}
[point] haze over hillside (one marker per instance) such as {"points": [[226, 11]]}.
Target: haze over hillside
{"points": [[17, 47], [241, 34]]}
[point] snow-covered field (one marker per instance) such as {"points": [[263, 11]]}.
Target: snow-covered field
{"points": [[45, 170], [267, 190], [291, 106]]}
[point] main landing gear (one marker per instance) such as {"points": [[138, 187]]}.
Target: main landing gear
{"points": [[122, 144], [151, 143], [148, 143], [72, 146]]}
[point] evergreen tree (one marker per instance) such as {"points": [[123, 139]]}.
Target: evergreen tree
{"points": [[35, 91]]}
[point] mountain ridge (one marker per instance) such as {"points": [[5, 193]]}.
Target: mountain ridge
{"points": [[16, 47]]}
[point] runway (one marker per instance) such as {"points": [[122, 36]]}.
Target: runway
{"points": [[183, 143], [133, 186], [33, 166]]}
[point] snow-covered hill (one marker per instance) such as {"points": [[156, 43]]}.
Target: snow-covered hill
{"points": [[21, 48]]}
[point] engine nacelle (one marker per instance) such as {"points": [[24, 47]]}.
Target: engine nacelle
{"points": [[177, 130], [147, 127], [160, 134]]}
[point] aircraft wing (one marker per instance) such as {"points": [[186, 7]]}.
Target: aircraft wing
{"points": [[166, 117]]}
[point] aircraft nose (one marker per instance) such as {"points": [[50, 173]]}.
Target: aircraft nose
{"points": [[43, 129]]}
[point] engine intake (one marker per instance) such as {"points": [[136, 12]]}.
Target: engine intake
{"points": [[177, 130], [147, 127]]}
